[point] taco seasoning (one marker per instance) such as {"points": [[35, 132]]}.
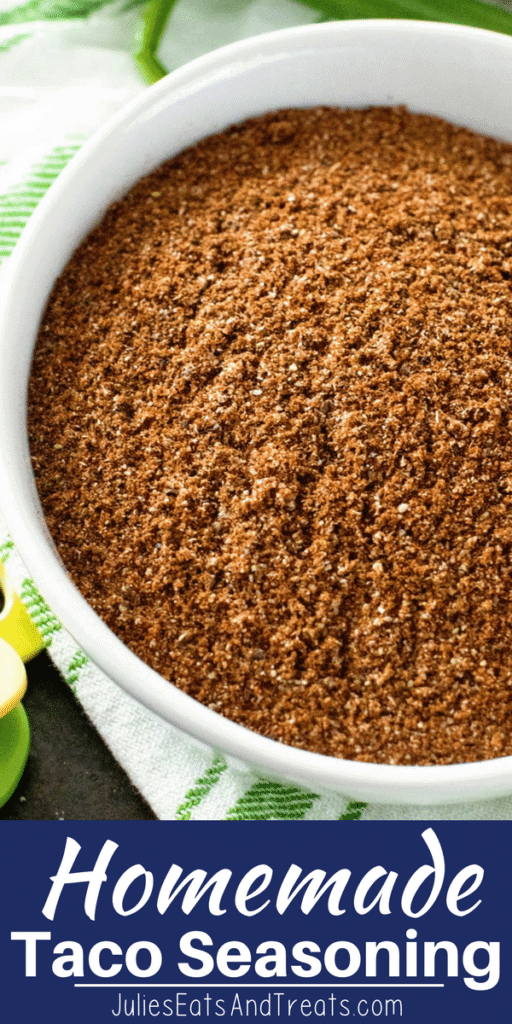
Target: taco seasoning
{"points": [[270, 422]]}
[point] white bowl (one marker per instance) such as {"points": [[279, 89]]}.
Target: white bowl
{"points": [[461, 74]]}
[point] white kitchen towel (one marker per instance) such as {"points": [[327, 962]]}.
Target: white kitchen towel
{"points": [[65, 67]]}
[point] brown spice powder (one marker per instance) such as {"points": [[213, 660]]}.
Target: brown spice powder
{"points": [[270, 419]]}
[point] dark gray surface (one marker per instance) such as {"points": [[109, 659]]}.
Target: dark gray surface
{"points": [[70, 773]]}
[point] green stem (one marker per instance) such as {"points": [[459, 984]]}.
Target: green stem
{"points": [[154, 18]]}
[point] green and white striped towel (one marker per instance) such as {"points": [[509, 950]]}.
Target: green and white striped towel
{"points": [[65, 66]]}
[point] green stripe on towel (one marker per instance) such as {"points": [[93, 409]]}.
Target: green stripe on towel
{"points": [[5, 549], [200, 789], [17, 205], [40, 613], [13, 41], [73, 671], [353, 811], [271, 801]]}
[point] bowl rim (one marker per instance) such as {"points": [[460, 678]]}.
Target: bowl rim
{"points": [[28, 530]]}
